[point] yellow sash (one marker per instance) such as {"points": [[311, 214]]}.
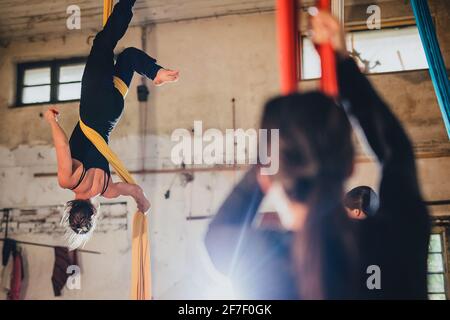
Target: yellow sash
{"points": [[140, 248], [121, 86], [107, 10]]}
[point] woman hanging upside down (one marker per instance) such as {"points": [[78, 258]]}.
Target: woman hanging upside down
{"points": [[81, 167]]}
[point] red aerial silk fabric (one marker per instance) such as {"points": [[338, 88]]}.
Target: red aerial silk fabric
{"points": [[287, 25], [328, 82]]}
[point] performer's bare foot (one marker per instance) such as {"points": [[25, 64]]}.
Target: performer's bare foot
{"points": [[166, 76]]}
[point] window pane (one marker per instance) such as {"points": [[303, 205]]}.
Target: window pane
{"points": [[69, 91], [36, 76], [435, 243], [386, 50], [435, 263], [436, 283], [36, 94], [71, 73], [389, 50], [310, 61], [437, 297]]}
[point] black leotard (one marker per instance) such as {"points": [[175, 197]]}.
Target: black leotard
{"points": [[101, 104]]}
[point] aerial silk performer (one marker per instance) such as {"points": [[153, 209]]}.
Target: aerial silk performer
{"points": [[83, 162]]}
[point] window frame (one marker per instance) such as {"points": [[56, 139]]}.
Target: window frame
{"points": [[354, 27], [55, 65], [441, 225], [441, 232]]}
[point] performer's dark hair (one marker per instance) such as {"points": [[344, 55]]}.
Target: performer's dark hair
{"points": [[316, 157], [363, 198]]}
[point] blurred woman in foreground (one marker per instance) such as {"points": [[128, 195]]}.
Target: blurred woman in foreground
{"points": [[323, 254]]}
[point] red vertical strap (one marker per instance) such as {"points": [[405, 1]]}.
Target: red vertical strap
{"points": [[287, 19], [329, 84]]}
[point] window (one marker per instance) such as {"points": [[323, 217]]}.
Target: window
{"points": [[437, 266], [49, 81], [377, 51]]}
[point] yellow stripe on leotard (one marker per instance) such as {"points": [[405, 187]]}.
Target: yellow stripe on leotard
{"points": [[121, 86]]}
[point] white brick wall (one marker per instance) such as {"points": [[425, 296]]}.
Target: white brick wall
{"points": [[46, 220]]}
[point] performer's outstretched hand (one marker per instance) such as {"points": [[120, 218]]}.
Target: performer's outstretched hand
{"points": [[327, 29], [51, 115], [166, 76]]}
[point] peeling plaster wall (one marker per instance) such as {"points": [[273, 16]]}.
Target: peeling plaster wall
{"points": [[178, 261], [220, 59]]}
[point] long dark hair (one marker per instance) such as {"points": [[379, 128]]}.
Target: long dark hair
{"points": [[316, 157]]}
